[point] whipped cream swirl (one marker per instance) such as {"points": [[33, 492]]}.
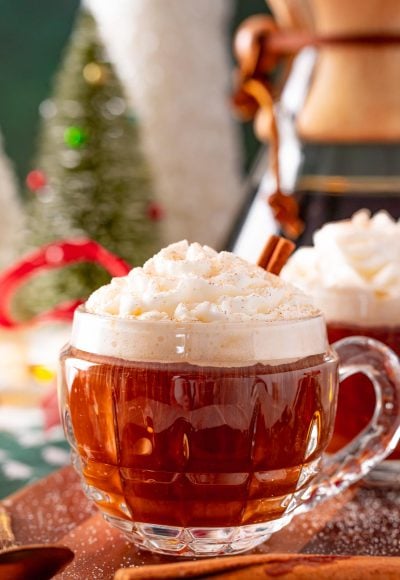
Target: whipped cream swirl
{"points": [[193, 283], [353, 268], [363, 252]]}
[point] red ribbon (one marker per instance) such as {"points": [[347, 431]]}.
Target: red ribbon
{"points": [[50, 257]]}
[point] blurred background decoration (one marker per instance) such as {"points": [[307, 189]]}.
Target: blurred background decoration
{"points": [[120, 129], [175, 64], [174, 60], [91, 176], [12, 216]]}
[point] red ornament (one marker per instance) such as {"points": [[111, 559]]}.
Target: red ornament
{"points": [[155, 211], [36, 180], [49, 257]]}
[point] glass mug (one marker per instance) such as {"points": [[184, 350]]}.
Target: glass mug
{"points": [[198, 439], [364, 315]]}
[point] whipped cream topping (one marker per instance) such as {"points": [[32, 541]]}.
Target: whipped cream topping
{"points": [[193, 283], [353, 269]]}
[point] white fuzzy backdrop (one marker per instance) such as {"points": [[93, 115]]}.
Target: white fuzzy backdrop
{"points": [[11, 216], [173, 58]]}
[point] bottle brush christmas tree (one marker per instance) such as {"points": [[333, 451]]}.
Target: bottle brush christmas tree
{"points": [[90, 178]]}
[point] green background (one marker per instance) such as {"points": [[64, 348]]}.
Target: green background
{"points": [[32, 36]]}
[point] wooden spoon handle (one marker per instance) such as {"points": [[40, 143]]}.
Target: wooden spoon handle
{"points": [[7, 538], [273, 566], [36, 561]]}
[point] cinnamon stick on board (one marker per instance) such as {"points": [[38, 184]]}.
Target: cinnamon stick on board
{"points": [[275, 254], [272, 566]]}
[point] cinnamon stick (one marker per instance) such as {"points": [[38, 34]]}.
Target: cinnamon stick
{"points": [[275, 254], [273, 566], [7, 538]]}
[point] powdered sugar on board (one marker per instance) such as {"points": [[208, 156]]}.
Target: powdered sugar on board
{"points": [[48, 509], [367, 525]]}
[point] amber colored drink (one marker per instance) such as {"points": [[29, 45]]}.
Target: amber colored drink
{"points": [[187, 445], [356, 401]]}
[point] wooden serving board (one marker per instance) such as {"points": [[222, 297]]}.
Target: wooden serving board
{"points": [[363, 521]]}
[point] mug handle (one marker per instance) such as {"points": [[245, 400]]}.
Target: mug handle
{"points": [[359, 354]]}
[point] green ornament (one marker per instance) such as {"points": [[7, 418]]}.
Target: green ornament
{"points": [[75, 137]]}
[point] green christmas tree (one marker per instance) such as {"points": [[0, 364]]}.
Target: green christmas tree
{"points": [[90, 178]]}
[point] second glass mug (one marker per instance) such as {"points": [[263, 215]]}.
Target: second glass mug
{"points": [[349, 313], [200, 439]]}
